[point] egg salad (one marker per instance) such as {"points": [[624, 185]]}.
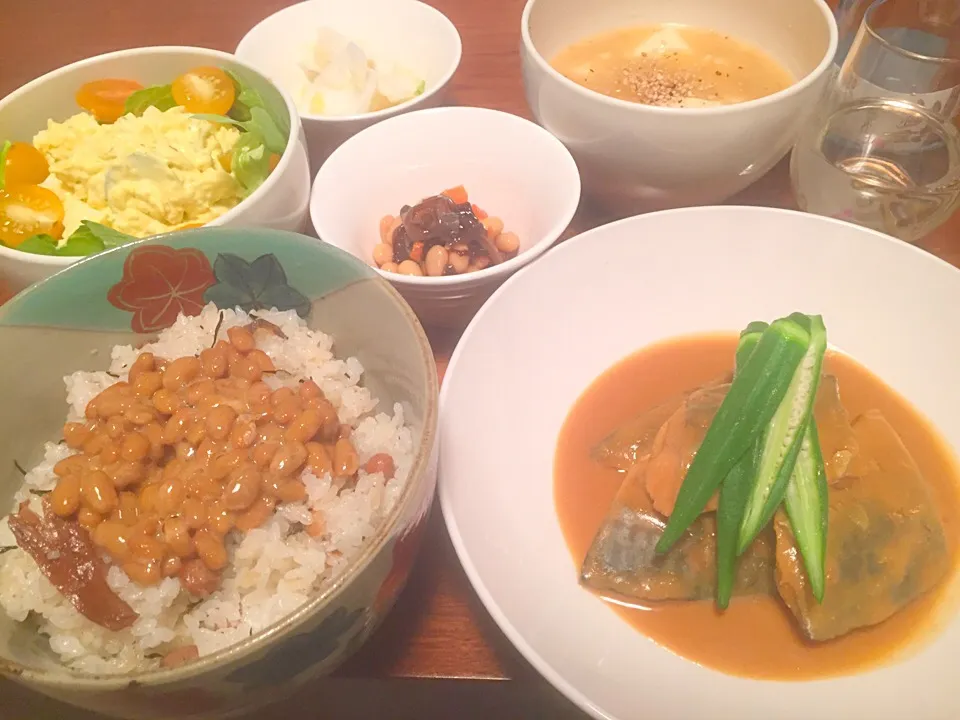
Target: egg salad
{"points": [[139, 161], [141, 175]]}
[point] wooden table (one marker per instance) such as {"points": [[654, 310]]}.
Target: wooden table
{"points": [[438, 629]]}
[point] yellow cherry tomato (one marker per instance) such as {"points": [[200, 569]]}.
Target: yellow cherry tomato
{"points": [[105, 99], [24, 165], [27, 210], [204, 90]]}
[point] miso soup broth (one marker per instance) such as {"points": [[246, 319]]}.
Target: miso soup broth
{"points": [[672, 66]]}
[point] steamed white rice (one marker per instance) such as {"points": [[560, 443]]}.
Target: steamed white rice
{"points": [[273, 569]]}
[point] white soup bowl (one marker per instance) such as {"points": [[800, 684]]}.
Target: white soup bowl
{"points": [[637, 157]]}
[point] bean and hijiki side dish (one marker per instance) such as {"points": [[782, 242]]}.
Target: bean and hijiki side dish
{"points": [[205, 486], [443, 235], [759, 504]]}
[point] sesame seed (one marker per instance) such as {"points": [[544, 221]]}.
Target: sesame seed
{"points": [[652, 84]]}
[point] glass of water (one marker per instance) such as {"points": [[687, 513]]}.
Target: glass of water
{"points": [[886, 164], [882, 149], [906, 49]]}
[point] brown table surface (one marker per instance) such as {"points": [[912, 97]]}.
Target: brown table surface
{"points": [[438, 628]]}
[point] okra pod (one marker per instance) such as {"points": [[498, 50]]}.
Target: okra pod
{"points": [[754, 396], [735, 487], [807, 508], [784, 433]]}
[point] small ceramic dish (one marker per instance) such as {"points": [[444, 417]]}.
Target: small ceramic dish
{"points": [[411, 34], [71, 321], [524, 366], [280, 202], [510, 167]]}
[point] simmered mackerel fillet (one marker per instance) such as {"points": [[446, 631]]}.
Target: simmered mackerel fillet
{"points": [[669, 434], [885, 541], [676, 444], [622, 558], [633, 440], [838, 441]]}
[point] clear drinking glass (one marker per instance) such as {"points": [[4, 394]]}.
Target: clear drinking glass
{"points": [[881, 150], [886, 164]]}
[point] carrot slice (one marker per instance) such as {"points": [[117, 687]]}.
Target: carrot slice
{"points": [[416, 252], [458, 194], [479, 212]]}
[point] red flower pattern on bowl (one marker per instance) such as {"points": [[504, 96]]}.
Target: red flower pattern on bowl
{"points": [[159, 283]]}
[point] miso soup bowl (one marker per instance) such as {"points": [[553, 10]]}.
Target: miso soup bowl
{"points": [[279, 203], [635, 157], [70, 322]]}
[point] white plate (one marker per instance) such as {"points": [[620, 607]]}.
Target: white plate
{"points": [[555, 326]]}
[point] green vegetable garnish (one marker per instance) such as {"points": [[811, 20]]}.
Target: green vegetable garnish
{"points": [[807, 507], [420, 88], [3, 160], [246, 97], [158, 96], [805, 499], [107, 236], [782, 438], [250, 161], [80, 245], [249, 97], [88, 239], [260, 122], [265, 133], [39, 245], [251, 113], [735, 488], [753, 398]]}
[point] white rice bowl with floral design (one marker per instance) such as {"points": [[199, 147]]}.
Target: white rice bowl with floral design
{"points": [[273, 569]]}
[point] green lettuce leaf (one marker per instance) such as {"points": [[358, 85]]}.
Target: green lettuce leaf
{"points": [[247, 98], [250, 160], [260, 122], [39, 245], [158, 96], [80, 244], [106, 236], [88, 239]]}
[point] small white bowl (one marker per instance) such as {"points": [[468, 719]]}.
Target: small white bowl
{"points": [[512, 168], [279, 203], [637, 157], [413, 34]]}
